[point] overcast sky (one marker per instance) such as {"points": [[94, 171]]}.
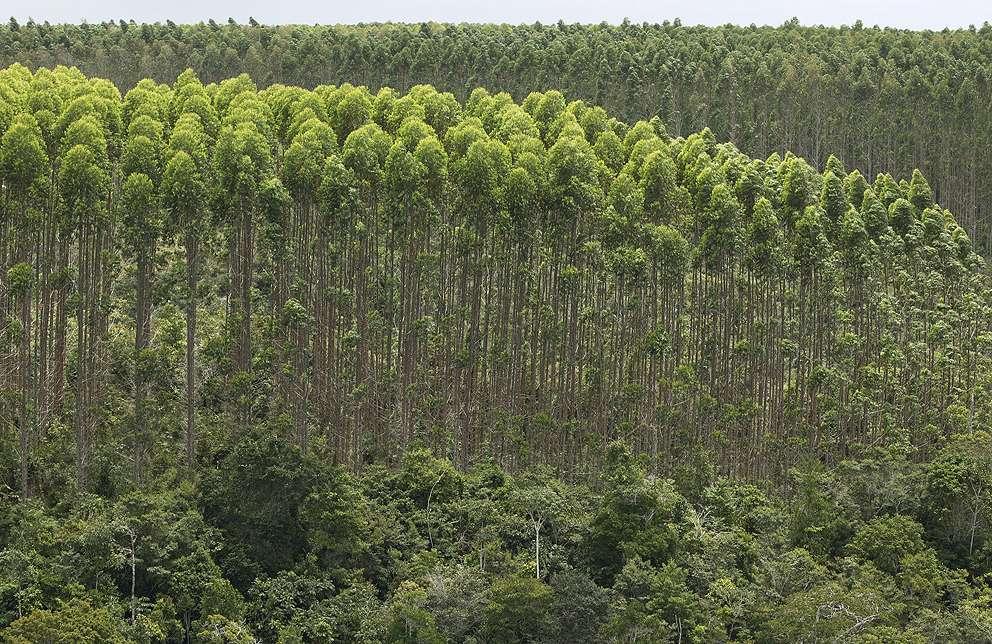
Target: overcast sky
{"points": [[917, 14]]}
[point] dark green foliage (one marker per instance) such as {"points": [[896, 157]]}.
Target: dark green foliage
{"points": [[580, 608], [721, 569], [278, 602], [821, 521], [272, 503], [639, 517]]}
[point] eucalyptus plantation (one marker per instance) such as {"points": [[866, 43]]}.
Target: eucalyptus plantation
{"points": [[274, 354]]}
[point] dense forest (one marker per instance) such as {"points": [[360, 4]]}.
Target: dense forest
{"points": [[329, 364], [881, 100]]}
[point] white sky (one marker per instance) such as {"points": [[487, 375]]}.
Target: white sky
{"points": [[916, 14]]}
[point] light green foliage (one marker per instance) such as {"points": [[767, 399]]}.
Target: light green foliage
{"points": [[518, 611], [407, 620], [833, 200], [75, 621], [23, 159], [887, 541]]}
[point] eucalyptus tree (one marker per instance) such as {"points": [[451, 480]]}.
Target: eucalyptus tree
{"points": [[142, 217], [364, 154], [337, 202], [242, 163], [184, 190], [301, 260], [479, 177], [141, 167], [24, 172], [84, 182], [416, 163]]}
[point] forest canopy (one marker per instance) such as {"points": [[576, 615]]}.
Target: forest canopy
{"points": [[290, 364], [880, 100]]}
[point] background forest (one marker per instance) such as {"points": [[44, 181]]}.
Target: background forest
{"points": [[334, 364]]}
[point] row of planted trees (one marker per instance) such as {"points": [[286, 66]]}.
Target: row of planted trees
{"points": [[881, 100], [527, 281]]}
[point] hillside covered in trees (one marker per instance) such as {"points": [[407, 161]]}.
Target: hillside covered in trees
{"points": [[881, 100], [332, 365]]}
